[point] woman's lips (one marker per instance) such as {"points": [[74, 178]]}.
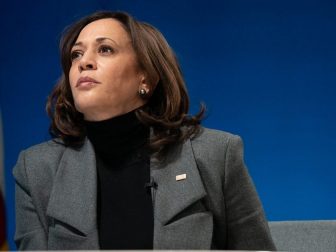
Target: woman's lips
{"points": [[86, 82]]}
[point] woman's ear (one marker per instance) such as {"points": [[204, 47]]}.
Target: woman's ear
{"points": [[148, 85], [144, 84]]}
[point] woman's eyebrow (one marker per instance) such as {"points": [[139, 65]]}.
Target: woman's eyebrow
{"points": [[101, 39], [78, 44], [98, 40]]}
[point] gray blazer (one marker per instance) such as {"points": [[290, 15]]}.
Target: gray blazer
{"points": [[215, 207]]}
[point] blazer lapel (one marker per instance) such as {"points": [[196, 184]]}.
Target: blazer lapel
{"points": [[73, 199], [181, 221], [173, 194], [74, 194]]}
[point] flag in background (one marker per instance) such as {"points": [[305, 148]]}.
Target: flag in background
{"points": [[3, 242], [3, 239]]}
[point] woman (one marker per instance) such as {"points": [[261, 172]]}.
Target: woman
{"points": [[128, 167]]}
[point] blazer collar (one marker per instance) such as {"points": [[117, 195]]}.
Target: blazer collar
{"points": [[73, 198], [173, 195]]}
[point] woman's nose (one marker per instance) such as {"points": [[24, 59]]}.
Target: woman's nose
{"points": [[87, 63]]}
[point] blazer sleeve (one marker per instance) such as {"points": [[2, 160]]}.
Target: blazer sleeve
{"points": [[247, 227], [29, 234]]}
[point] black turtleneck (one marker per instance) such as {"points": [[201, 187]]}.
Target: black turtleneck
{"points": [[125, 211]]}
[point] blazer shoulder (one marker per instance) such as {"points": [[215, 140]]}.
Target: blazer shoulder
{"points": [[215, 137], [47, 146], [212, 149], [44, 156], [49, 151]]}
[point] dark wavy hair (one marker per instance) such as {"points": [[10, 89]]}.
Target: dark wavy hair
{"points": [[166, 110]]}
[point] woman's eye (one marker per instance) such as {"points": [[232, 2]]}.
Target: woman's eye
{"points": [[105, 49], [75, 55]]}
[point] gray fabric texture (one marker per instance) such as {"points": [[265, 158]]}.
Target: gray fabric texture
{"points": [[304, 236], [215, 207]]}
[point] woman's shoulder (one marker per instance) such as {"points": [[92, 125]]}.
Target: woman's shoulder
{"points": [[44, 156], [215, 137], [214, 151], [49, 145], [49, 150], [213, 145]]}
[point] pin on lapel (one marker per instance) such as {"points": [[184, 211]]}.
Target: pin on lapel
{"points": [[181, 177]]}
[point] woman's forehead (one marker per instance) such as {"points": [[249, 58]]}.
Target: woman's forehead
{"points": [[104, 28]]}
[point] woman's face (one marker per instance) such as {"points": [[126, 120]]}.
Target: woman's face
{"points": [[104, 75]]}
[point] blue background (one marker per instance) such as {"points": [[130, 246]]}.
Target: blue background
{"points": [[265, 69]]}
